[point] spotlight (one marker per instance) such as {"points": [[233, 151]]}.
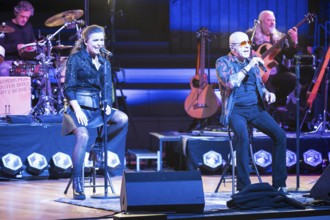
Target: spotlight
{"points": [[61, 164], [113, 160], [263, 159], [212, 160], [36, 163], [11, 164], [87, 162], [291, 158], [312, 159]]}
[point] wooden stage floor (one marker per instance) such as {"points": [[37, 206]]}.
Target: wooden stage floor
{"points": [[34, 199]]}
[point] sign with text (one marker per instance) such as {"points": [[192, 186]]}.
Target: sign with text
{"points": [[15, 95]]}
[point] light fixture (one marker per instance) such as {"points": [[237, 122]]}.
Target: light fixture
{"points": [[36, 163], [212, 160], [61, 165], [263, 159], [312, 159], [113, 160], [11, 164], [291, 159], [87, 162]]}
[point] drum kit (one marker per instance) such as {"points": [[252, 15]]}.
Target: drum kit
{"points": [[42, 61]]}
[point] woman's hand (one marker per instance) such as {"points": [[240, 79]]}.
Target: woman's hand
{"points": [[81, 117]]}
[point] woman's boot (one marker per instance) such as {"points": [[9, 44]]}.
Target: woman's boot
{"points": [[78, 188]]}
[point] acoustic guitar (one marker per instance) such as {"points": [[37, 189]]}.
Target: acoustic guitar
{"points": [[268, 51], [201, 102]]}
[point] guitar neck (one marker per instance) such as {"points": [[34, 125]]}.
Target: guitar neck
{"points": [[309, 17], [202, 62]]}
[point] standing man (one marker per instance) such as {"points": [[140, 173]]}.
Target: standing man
{"points": [[243, 94]]}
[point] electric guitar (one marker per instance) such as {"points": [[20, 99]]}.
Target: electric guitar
{"points": [[268, 52], [202, 102]]}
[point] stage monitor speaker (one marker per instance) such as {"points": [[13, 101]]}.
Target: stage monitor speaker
{"points": [[321, 189], [173, 191]]}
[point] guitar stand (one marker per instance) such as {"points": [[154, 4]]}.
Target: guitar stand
{"points": [[324, 125]]}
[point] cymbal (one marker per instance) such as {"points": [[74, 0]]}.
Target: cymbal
{"points": [[62, 47], [6, 29], [63, 17]]}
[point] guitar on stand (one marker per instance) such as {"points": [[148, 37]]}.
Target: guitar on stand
{"points": [[202, 102], [268, 52]]}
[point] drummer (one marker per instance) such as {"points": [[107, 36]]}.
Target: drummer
{"points": [[23, 34]]}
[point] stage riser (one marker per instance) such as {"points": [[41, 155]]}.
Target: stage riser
{"points": [[45, 139], [196, 148]]}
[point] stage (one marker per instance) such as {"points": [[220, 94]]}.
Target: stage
{"points": [[22, 139], [184, 151]]}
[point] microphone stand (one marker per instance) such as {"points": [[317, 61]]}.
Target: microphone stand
{"points": [[298, 125], [105, 142]]}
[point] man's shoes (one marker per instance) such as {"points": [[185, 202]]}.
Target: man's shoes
{"points": [[283, 190]]}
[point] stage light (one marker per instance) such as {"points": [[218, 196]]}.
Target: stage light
{"points": [[113, 160], [212, 160], [87, 162], [291, 158], [11, 164], [312, 159], [61, 165], [263, 159], [36, 163]]}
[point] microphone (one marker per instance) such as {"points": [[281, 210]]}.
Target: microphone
{"points": [[106, 52], [262, 66], [259, 64]]}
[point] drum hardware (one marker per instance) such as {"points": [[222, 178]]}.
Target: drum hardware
{"points": [[6, 29], [47, 105]]}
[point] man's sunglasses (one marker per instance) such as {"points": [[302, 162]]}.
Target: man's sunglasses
{"points": [[244, 43]]}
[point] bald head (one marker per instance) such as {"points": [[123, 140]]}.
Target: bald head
{"points": [[237, 37]]}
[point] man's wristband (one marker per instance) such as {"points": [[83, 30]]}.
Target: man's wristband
{"points": [[244, 71]]}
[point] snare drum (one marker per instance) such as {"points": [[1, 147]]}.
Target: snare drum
{"points": [[28, 51], [24, 68]]}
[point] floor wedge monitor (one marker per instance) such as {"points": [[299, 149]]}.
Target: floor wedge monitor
{"points": [[172, 191]]}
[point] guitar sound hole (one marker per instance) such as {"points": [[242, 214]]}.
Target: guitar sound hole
{"points": [[195, 83]]}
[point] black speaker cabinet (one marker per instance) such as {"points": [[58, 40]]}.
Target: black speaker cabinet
{"points": [[174, 191], [321, 189]]}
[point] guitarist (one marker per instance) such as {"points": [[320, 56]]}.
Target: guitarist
{"points": [[280, 81]]}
